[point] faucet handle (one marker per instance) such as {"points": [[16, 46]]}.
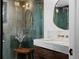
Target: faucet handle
{"points": [[67, 36], [60, 35]]}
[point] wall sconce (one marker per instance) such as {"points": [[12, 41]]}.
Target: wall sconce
{"points": [[17, 4], [26, 5]]}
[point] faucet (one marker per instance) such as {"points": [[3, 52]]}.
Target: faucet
{"points": [[66, 36], [60, 35]]}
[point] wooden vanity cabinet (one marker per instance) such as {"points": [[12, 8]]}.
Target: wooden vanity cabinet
{"points": [[42, 53]]}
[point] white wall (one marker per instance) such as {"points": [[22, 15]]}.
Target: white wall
{"points": [[11, 17], [50, 30], [74, 28], [77, 31], [8, 28]]}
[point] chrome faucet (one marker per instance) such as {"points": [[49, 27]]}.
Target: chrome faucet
{"points": [[60, 35], [66, 36]]}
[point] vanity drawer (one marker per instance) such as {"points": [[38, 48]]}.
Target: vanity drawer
{"points": [[59, 55], [43, 53]]}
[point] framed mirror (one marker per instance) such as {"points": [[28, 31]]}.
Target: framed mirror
{"points": [[61, 14]]}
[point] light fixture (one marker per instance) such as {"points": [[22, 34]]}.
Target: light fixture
{"points": [[24, 6], [17, 4], [28, 5]]}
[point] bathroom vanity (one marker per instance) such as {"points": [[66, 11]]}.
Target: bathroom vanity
{"points": [[43, 53], [46, 50]]}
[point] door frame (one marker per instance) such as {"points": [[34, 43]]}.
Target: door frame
{"points": [[74, 28]]}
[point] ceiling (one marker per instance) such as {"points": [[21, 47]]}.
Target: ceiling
{"points": [[61, 3]]}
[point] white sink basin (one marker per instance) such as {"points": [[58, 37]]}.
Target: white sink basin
{"points": [[57, 42], [59, 46]]}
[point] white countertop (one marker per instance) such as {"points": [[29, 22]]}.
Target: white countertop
{"points": [[59, 46]]}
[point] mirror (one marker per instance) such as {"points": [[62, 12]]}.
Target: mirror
{"points": [[23, 15], [23, 19], [61, 14], [28, 14]]}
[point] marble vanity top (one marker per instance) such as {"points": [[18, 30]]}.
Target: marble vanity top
{"points": [[55, 45]]}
